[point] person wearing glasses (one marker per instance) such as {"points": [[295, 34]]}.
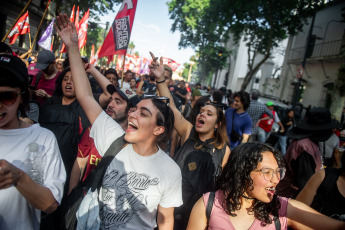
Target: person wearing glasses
{"points": [[21, 198], [204, 148], [142, 184], [246, 197]]}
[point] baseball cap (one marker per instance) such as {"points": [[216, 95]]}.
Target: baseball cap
{"points": [[44, 58], [15, 66], [126, 93], [270, 103], [32, 70], [196, 93]]}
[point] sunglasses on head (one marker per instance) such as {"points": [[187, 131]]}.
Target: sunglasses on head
{"points": [[9, 97], [166, 99], [216, 105]]}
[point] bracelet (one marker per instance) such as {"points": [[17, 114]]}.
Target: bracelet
{"points": [[157, 82]]}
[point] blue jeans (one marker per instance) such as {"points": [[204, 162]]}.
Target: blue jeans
{"points": [[262, 135], [282, 143]]}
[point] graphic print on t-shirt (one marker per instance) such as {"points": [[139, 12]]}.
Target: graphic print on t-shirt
{"points": [[123, 197]]}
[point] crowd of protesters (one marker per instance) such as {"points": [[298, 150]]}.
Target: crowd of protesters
{"points": [[193, 158]]}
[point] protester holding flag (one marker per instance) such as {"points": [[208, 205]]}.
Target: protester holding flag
{"points": [[21, 27], [124, 203]]}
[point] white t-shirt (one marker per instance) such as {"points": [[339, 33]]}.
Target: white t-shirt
{"points": [[15, 211], [331, 144], [125, 84], [134, 185]]}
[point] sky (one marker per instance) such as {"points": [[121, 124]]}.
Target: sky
{"points": [[151, 31]]}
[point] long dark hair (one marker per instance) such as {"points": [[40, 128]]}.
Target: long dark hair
{"points": [[235, 180], [164, 118], [196, 108]]}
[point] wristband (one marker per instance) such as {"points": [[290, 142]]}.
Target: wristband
{"points": [[157, 82]]}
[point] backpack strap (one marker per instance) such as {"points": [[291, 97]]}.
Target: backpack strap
{"points": [[38, 78], [209, 206], [109, 155], [277, 223]]}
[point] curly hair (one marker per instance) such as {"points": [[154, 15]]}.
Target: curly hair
{"points": [[58, 87], [244, 98], [235, 180]]}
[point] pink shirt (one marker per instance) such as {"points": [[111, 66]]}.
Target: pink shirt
{"points": [[220, 219]]}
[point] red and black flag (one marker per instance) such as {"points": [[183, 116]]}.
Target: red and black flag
{"points": [[119, 34]]}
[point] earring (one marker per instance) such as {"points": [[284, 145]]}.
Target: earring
{"points": [[215, 129]]}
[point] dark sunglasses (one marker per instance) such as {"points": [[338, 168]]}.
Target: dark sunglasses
{"points": [[9, 97], [165, 99], [216, 105]]}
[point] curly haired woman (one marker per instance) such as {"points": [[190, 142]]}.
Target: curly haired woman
{"points": [[246, 197]]}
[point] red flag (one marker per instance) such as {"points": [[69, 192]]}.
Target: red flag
{"points": [[22, 27], [171, 63], [82, 34], [119, 62], [119, 34], [71, 18], [95, 58], [110, 58], [76, 23]]}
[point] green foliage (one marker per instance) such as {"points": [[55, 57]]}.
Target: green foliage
{"points": [[95, 36], [207, 24], [97, 7]]}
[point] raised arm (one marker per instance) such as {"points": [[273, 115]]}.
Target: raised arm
{"points": [[182, 126], [69, 36], [102, 81]]}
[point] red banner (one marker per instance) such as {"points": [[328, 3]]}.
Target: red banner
{"points": [[119, 34], [71, 18], [82, 34], [22, 27]]}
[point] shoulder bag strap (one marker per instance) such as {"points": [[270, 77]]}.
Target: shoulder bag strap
{"points": [[232, 124], [109, 155], [277, 224], [209, 206]]}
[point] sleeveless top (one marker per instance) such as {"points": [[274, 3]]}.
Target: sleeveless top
{"points": [[199, 168], [220, 220], [328, 200]]}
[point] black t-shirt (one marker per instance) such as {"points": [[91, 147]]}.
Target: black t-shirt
{"points": [[183, 92]]}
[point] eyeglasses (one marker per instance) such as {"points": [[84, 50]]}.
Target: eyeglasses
{"points": [[268, 173], [9, 97]]}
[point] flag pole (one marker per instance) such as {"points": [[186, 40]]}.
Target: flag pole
{"points": [[60, 55], [30, 40], [123, 68], [38, 29], [14, 23], [51, 46]]}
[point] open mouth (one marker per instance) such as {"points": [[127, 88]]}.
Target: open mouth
{"points": [[271, 190], [2, 115], [68, 87], [131, 127], [200, 122], [109, 111]]}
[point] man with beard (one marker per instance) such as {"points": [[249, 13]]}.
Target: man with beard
{"points": [[88, 158]]}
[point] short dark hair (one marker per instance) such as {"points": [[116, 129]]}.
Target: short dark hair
{"points": [[113, 71], [244, 98], [217, 96]]}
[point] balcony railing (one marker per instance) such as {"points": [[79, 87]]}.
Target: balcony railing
{"points": [[325, 49]]}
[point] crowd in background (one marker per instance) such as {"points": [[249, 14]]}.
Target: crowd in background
{"points": [[189, 148]]}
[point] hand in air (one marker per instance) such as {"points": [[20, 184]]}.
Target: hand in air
{"points": [[156, 68], [66, 30]]}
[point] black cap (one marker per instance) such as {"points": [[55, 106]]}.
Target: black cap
{"points": [[126, 93], [15, 66]]}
